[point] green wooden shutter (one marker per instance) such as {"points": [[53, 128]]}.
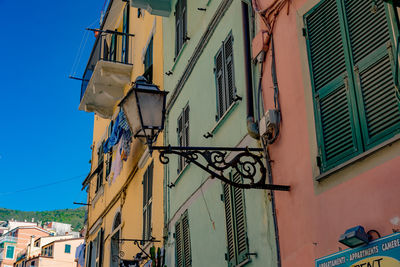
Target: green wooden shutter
{"points": [[178, 244], [235, 216], [186, 125], [229, 71], [88, 257], [10, 252], [186, 241], [338, 132], [372, 54], [220, 83], [101, 241], [240, 221], [180, 141], [229, 225], [125, 39], [145, 197]]}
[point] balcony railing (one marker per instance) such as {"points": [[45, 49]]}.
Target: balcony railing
{"points": [[109, 46], [8, 239]]}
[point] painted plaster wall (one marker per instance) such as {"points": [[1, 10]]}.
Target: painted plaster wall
{"points": [[313, 215], [120, 195], [193, 189]]}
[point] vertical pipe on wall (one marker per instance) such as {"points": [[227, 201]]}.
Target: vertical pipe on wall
{"points": [[252, 125]]}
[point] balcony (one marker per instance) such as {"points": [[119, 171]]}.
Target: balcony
{"points": [[8, 239], [154, 7], [107, 72]]}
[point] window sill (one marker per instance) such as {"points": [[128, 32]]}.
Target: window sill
{"points": [[97, 195], [227, 113], [176, 59], [360, 157], [180, 174]]}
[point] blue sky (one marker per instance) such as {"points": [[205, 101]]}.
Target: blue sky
{"points": [[44, 138]]}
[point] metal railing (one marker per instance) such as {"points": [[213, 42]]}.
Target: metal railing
{"points": [[109, 46]]}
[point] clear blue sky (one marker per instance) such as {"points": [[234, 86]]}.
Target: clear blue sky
{"points": [[44, 138]]}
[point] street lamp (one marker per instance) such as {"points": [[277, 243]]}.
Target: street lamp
{"points": [[354, 237], [144, 107]]}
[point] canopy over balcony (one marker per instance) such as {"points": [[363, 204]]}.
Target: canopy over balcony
{"points": [[154, 7], [107, 73]]}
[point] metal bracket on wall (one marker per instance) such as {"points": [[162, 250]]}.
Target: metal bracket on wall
{"points": [[245, 161], [137, 242]]}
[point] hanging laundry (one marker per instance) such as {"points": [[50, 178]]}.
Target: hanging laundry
{"points": [[80, 254], [116, 165], [126, 144], [120, 126]]}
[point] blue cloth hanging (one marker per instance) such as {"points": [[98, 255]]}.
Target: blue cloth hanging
{"points": [[120, 126]]}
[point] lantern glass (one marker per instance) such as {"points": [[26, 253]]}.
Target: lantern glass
{"points": [[151, 105]]}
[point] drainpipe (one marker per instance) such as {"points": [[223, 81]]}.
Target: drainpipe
{"points": [[252, 125]]}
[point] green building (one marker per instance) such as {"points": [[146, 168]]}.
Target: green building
{"points": [[207, 222]]}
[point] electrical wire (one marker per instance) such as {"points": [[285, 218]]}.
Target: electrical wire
{"points": [[43, 185]]}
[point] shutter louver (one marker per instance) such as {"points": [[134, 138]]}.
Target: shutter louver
{"points": [[178, 244], [372, 53], [240, 220], [338, 138], [229, 71], [220, 83], [229, 224], [325, 44], [186, 126], [186, 241]]}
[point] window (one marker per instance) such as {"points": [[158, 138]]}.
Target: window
{"points": [[125, 39], [182, 242], [180, 25], [235, 217], [148, 62], [100, 156], [67, 248], [37, 244], [224, 77], [183, 135], [10, 252], [351, 67], [94, 253], [50, 251], [109, 154], [147, 201]]}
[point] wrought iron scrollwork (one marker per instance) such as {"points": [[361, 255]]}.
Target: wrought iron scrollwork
{"points": [[247, 162]]}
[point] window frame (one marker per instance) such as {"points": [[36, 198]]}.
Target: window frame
{"points": [[357, 111], [148, 179], [180, 26], [231, 194], [183, 242], [7, 252], [183, 135], [223, 74]]}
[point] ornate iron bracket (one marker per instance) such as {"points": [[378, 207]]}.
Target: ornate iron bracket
{"points": [[136, 242], [246, 163]]}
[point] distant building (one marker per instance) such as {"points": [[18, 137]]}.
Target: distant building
{"points": [[58, 228], [6, 226], [50, 251], [15, 241]]}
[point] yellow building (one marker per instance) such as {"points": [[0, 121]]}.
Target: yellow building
{"points": [[125, 185]]}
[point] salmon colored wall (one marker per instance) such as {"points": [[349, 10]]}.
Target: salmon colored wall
{"points": [[313, 215]]}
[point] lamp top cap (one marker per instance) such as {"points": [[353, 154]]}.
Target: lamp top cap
{"points": [[142, 83]]}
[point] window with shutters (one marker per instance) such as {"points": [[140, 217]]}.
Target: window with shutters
{"points": [[350, 49], [224, 77], [180, 25], [183, 251], [148, 62], [183, 135], [10, 252], [235, 218], [147, 201], [99, 241], [100, 166], [125, 29], [109, 154]]}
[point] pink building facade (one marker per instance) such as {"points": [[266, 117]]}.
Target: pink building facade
{"points": [[338, 141]]}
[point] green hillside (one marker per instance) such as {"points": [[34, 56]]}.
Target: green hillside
{"points": [[75, 217]]}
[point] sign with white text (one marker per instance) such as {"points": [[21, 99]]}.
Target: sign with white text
{"points": [[383, 252]]}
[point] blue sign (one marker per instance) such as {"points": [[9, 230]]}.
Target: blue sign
{"points": [[383, 252]]}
